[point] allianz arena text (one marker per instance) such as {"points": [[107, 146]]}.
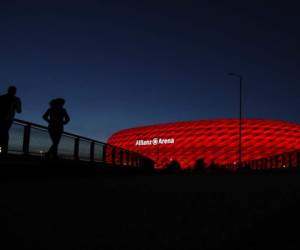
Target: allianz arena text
{"points": [[211, 140]]}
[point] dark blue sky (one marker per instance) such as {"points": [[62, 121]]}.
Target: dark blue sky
{"points": [[123, 64]]}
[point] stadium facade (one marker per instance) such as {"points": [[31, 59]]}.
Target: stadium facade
{"points": [[211, 140]]}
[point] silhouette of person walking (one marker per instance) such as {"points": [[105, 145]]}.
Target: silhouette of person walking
{"points": [[57, 117], [9, 105]]}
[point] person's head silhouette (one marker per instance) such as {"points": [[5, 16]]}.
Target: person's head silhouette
{"points": [[57, 103], [12, 90], [60, 102]]}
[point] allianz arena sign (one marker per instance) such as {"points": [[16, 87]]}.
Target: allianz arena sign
{"points": [[154, 142]]}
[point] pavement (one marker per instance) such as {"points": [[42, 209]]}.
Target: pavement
{"points": [[135, 210]]}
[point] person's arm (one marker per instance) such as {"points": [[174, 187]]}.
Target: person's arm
{"points": [[46, 116], [18, 105], [66, 118]]}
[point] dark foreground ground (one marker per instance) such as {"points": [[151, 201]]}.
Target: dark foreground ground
{"points": [[44, 210]]}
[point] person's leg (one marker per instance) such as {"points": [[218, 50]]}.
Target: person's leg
{"points": [[52, 136], [55, 137], [55, 143], [4, 136]]}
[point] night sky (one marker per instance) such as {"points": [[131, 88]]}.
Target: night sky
{"points": [[122, 64]]}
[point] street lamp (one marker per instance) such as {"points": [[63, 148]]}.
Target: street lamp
{"points": [[157, 154], [240, 130]]}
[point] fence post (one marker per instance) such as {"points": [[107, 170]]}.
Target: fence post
{"points": [[130, 158], [127, 158], [26, 139], [104, 153], [290, 160], [113, 156], [121, 157], [76, 149], [273, 163], [133, 160], [92, 151], [276, 161], [136, 160], [284, 160]]}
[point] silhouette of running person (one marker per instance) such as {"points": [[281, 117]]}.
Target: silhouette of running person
{"points": [[57, 117], [9, 105]]}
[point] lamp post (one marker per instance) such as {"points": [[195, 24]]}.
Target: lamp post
{"points": [[240, 118], [157, 155]]}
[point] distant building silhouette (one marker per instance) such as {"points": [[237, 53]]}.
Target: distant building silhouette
{"points": [[57, 117], [10, 104]]}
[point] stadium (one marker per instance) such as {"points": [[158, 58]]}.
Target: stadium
{"points": [[210, 140]]}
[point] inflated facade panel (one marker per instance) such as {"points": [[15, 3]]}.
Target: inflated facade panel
{"points": [[211, 140]]}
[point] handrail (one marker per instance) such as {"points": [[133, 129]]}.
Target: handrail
{"points": [[23, 122], [46, 128], [79, 148], [279, 161]]}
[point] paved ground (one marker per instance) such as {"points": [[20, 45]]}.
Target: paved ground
{"points": [[149, 211]]}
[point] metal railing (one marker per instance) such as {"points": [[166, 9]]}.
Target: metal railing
{"points": [[289, 160], [27, 138]]}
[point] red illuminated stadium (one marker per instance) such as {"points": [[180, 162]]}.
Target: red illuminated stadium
{"points": [[211, 140]]}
